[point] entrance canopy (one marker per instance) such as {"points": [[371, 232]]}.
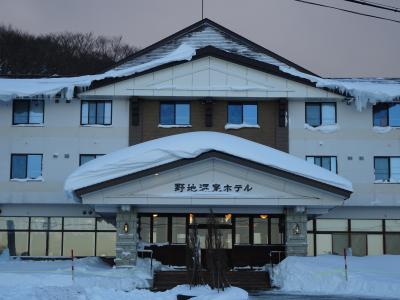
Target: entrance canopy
{"points": [[205, 169]]}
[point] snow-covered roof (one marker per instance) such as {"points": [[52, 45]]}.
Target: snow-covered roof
{"points": [[168, 149], [182, 46], [362, 90], [11, 88]]}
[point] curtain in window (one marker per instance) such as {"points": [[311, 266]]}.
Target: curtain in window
{"points": [[313, 114], [107, 113], [18, 166], [21, 112], [86, 158], [182, 114], [36, 112], [85, 113], [235, 114], [92, 112], [34, 166], [394, 115], [100, 113], [395, 169], [328, 114], [380, 115], [250, 114], [381, 168], [167, 114]]}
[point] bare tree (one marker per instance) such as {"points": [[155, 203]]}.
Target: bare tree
{"points": [[58, 53], [193, 259], [216, 255]]}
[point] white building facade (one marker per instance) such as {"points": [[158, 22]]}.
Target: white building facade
{"points": [[203, 78]]}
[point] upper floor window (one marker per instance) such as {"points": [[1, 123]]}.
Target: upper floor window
{"points": [[387, 114], [174, 114], [318, 113], [326, 162], [239, 113], [96, 112], [28, 112], [387, 168], [84, 158], [26, 166]]}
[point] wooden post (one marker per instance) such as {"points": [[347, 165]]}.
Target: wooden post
{"points": [[345, 263], [72, 264]]}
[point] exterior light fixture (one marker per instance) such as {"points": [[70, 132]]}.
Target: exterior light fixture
{"points": [[296, 229], [126, 227], [155, 215], [263, 216], [190, 218], [228, 217]]}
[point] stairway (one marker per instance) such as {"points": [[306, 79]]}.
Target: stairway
{"points": [[248, 280]]}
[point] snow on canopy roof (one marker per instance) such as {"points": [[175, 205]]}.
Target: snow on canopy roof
{"points": [[168, 149]]}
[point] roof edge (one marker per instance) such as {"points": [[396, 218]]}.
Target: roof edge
{"points": [[219, 27], [221, 155]]}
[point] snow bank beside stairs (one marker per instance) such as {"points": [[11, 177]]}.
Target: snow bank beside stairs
{"points": [[373, 276]]}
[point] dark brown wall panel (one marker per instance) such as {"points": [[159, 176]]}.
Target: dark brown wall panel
{"points": [[269, 133]]}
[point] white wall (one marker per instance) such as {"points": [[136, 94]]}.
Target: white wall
{"points": [[211, 77], [355, 138], [62, 134]]}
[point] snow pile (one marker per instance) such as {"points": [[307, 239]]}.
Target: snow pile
{"points": [[49, 87], [93, 280], [240, 126], [381, 129], [323, 128], [189, 145], [363, 90], [374, 276]]}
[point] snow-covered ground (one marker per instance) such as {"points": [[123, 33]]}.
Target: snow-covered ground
{"points": [[93, 280], [372, 276]]}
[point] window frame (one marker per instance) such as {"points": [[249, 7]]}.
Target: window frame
{"points": [[389, 169], [241, 104], [26, 166], [324, 156], [320, 104], [96, 102], [86, 154], [386, 107], [29, 101], [174, 103]]}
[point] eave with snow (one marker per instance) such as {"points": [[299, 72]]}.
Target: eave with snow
{"points": [[148, 175], [204, 39]]}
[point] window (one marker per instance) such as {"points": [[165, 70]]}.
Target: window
{"points": [[242, 230], [260, 234], [174, 113], [96, 112], [320, 113], [387, 114], [239, 113], [84, 158], [326, 162], [387, 169], [26, 166], [178, 230], [28, 112]]}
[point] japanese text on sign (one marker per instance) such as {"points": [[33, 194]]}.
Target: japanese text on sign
{"points": [[213, 188]]}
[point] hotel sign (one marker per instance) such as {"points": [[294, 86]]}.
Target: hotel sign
{"points": [[211, 188]]}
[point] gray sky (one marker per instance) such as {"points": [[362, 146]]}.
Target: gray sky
{"points": [[325, 41]]}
